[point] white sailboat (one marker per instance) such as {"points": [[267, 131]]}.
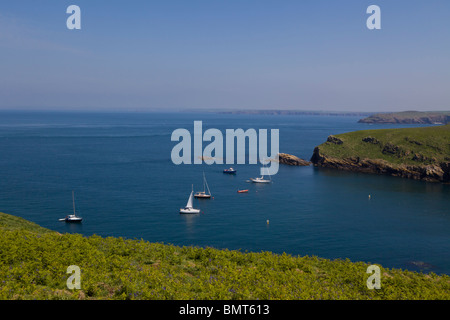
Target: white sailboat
{"points": [[72, 217], [189, 206], [203, 194]]}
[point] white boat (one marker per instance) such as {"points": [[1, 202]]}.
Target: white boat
{"points": [[203, 194], [261, 179], [189, 206], [72, 217]]}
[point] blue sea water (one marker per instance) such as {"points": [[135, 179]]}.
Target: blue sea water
{"points": [[119, 165]]}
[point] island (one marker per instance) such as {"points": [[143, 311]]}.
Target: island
{"points": [[409, 117], [417, 153]]}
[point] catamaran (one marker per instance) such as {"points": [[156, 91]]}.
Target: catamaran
{"points": [[189, 206], [72, 217], [203, 194]]}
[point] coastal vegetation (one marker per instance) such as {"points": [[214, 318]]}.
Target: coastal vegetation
{"points": [[34, 261], [419, 153]]}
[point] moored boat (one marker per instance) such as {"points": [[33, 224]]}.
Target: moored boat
{"points": [[72, 217], [230, 171], [203, 194], [189, 206], [260, 180]]}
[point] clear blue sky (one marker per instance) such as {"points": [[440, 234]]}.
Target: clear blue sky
{"points": [[175, 54]]}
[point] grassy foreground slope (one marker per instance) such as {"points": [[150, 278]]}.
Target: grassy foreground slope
{"points": [[420, 153], [33, 265]]}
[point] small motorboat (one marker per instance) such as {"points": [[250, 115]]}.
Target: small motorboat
{"points": [[242, 191], [229, 171], [260, 180]]}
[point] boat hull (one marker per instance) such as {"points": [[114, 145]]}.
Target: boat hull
{"points": [[73, 220], [202, 196], [189, 211], [259, 181]]}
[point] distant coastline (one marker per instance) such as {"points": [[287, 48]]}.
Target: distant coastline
{"points": [[403, 117], [284, 112], [409, 117]]}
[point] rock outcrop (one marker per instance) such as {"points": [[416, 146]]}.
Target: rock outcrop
{"points": [[291, 160], [439, 172], [334, 140]]}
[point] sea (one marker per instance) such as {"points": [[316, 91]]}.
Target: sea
{"points": [[119, 166]]}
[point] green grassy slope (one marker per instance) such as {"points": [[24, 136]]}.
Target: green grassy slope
{"points": [[33, 265], [10, 223], [415, 146]]}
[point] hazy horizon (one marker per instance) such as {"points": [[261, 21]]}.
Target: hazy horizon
{"points": [[185, 55]]}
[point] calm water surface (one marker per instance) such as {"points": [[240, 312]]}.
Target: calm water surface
{"points": [[126, 185]]}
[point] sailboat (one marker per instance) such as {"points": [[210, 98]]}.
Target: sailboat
{"points": [[72, 217], [261, 179], [203, 194], [189, 206]]}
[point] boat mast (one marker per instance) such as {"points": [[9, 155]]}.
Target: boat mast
{"points": [[73, 202], [205, 182], [204, 187], [267, 169]]}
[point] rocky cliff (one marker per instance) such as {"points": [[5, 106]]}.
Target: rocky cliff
{"points": [[433, 172], [291, 160], [415, 153]]}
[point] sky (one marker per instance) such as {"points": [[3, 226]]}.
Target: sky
{"points": [[225, 54]]}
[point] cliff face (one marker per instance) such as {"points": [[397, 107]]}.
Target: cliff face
{"points": [[439, 172], [417, 153]]}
